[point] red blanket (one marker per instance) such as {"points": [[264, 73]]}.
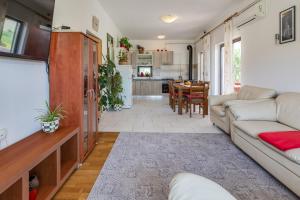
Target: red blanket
{"points": [[283, 141]]}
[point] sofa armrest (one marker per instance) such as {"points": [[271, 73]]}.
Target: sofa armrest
{"points": [[227, 104], [221, 99], [259, 111]]}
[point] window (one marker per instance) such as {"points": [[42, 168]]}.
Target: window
{"points": [[10, 34], [236, 60], [144, 71], [222, 54], [236, 64]]}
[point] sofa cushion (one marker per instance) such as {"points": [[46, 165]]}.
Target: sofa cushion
{"points": [[282, 140], [288, 109], [251, 92], [293, 154], [218, 110], [267, 149], [254, 128]]}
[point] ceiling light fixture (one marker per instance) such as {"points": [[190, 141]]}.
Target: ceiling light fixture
{"points": [[161, 37], [168, 18]]}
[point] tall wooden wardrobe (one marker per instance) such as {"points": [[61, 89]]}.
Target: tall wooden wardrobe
{"points": [[74, 83]]}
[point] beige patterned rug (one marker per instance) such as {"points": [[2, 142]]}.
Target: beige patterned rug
{"points": [[141, 165]]}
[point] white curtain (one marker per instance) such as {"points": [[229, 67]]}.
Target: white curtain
{"points": [[228, 69], [206, 60]]}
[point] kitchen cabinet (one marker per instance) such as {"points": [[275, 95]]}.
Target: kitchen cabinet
{"points": [[132, 59], [147, 87], [156, 59], [167, 57]]}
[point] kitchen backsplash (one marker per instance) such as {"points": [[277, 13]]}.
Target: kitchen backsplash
{"points": [[168, 71]]}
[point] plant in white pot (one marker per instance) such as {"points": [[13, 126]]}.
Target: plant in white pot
{"points": [[50, 118]]}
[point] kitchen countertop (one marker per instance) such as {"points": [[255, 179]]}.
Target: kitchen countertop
{"points": [[150, 79]]}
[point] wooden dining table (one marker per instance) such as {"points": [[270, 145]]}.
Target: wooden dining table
{"points": [[182, 88]]}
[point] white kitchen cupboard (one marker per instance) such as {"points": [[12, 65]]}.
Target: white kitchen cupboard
{"points": [[167, 57]]}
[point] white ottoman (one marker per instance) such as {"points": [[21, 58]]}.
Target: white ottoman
{"points": [[187, 186]]}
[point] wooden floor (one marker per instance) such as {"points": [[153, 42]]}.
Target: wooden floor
{"points": [[81, 181]]}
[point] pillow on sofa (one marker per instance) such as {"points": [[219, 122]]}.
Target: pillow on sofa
{"points": [[248, 92], [285, 140]]}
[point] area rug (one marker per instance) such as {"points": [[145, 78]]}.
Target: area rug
{"points": [[141, 166]]}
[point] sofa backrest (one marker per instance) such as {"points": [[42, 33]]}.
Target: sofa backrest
{"points": [[248, 92], [288, 109]]}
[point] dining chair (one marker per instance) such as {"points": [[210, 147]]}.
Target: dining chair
{"points": [[170, 84], [175, 97], [198, 95]]}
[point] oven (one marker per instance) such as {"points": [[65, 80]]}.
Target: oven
{"points": [[165, 85]]}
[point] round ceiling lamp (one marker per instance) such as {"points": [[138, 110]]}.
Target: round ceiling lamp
{"points": [[161, 37], [168, 18]]}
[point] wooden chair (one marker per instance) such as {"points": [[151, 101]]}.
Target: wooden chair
{"points": [[170, 84], [174, 97], [198, 95]]}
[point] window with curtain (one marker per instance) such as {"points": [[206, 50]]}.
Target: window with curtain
{"points": [[236, 65]]}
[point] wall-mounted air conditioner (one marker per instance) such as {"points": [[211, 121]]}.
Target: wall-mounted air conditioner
{"points": [[254, 13]]}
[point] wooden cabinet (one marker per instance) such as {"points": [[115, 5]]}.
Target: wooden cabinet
{"points": [[51, 157], [167, 57], [74, 84], [147, 87], [156, 59], [132, 58]]}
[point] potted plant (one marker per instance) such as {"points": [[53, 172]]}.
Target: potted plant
{"points": [[124, 42], [140, 49], [50, 118], [110, 82], [123, 57]]}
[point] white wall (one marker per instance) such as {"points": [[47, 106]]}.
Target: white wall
{"points": [[24, 88], [78, 15], [265, 63], [180, 66], [24, 84]]}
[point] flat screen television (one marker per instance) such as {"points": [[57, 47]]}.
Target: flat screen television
{"points": [[25, 28]]}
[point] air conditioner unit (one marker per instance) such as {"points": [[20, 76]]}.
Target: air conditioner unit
{"points": [[254, 13]]}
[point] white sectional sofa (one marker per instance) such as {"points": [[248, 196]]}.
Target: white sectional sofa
{"points": [[282, 114], [219, 105]]}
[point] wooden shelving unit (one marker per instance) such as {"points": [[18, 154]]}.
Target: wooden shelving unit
{"points": [[68, 156], [52, 157]]}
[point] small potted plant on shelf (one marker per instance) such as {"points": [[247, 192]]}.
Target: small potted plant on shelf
{"points": [[123, 57], [124, 42], [50, 118], [140, 49]]}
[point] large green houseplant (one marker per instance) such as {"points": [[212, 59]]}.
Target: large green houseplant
{"points": [[110, 82]]}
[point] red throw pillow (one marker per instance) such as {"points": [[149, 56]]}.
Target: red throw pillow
{"points": [[284, 140]]}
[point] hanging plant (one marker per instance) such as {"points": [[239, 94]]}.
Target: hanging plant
{"points": [[110, 82]]}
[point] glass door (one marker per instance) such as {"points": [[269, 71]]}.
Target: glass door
{"points": [[86, 96], [94, 102]]}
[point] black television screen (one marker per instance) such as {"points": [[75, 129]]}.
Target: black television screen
{"points": [[25, 28]]}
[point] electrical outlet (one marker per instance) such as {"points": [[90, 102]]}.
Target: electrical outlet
{"points": [[3, 138]]}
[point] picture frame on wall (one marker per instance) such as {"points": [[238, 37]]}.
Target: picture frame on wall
{"points": [[288, 25], [110, 47]]}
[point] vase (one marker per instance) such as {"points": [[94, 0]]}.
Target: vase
{"points": [[118, 107], [50, 127]]}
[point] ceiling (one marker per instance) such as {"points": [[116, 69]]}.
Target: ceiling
{"points": [[140, 19]]}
